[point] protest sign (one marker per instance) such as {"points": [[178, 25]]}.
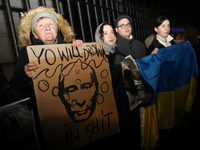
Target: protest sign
{"points": [[74, 94]]}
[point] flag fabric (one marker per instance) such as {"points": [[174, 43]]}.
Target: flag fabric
{"points": [[172, 73]]}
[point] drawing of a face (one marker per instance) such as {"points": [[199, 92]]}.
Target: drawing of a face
{"points": [[78, 91]]}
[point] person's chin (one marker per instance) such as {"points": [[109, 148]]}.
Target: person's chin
{"points": [[50, 37], [111, 43], [50, 40], [127, 34], [82, 115]]}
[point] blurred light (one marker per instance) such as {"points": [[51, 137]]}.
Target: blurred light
{"points": [[177, 29]]}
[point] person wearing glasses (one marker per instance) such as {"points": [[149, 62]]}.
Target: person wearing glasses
{"points": [[129, 118], [126, 43]]}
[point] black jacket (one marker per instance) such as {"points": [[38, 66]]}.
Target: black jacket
{"points": [[155, 43], [131, 47], [126, 116], [122, 102]]}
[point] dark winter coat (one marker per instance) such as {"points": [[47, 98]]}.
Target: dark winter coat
{"points": [[155, 43], [131, 47], [126, 116]]}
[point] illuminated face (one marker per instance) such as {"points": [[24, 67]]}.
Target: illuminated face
{"points": [[45, 30], [164, 29], [78, 92], [124, 32], [108, 34]]}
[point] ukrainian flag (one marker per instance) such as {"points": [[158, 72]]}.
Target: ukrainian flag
{"points": [[172, 73]]}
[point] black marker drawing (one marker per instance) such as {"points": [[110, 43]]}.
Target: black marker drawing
{"points": [[43, 85], [78, 87], [78, 90], [74, 93]]}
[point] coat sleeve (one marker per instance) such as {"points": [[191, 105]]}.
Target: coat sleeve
{"points": [[144, 50], [150, 49], [20, 81], [141, 50]]}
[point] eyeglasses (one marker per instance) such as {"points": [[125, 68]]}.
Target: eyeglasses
{"points": [[123, 26]]}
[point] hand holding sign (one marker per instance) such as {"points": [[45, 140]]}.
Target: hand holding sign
{"points": [[29, 68]]}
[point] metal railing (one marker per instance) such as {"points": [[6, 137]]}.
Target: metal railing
{"points": [[85, 15]]}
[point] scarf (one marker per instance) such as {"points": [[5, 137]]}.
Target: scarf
{"points": [[109, 48]]}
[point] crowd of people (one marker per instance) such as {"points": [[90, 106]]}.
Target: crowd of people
{"points": [[43, 26]]}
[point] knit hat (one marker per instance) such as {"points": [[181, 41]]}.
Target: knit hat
{"points": [[40, 15], [122, 17]]}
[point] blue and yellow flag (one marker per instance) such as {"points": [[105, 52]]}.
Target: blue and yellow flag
{"points": [[172, 73]]}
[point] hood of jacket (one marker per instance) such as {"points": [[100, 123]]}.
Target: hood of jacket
{"points": [[24, 27], [108, 48]]}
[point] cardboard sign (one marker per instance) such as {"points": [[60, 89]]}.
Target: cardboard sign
{"points": [[74, 94]]}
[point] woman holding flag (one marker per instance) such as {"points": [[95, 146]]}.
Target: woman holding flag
{"points": [[162, 39]]}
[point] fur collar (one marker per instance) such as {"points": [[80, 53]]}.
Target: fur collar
{"points": [[24, 27]]}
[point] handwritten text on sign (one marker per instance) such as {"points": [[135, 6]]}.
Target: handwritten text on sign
{"points": [[74, 94]]}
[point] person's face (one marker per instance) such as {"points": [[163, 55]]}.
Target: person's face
{"points": [[163, 30], [124, 32], [45, 30], [79, 95], [108, 34]]}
